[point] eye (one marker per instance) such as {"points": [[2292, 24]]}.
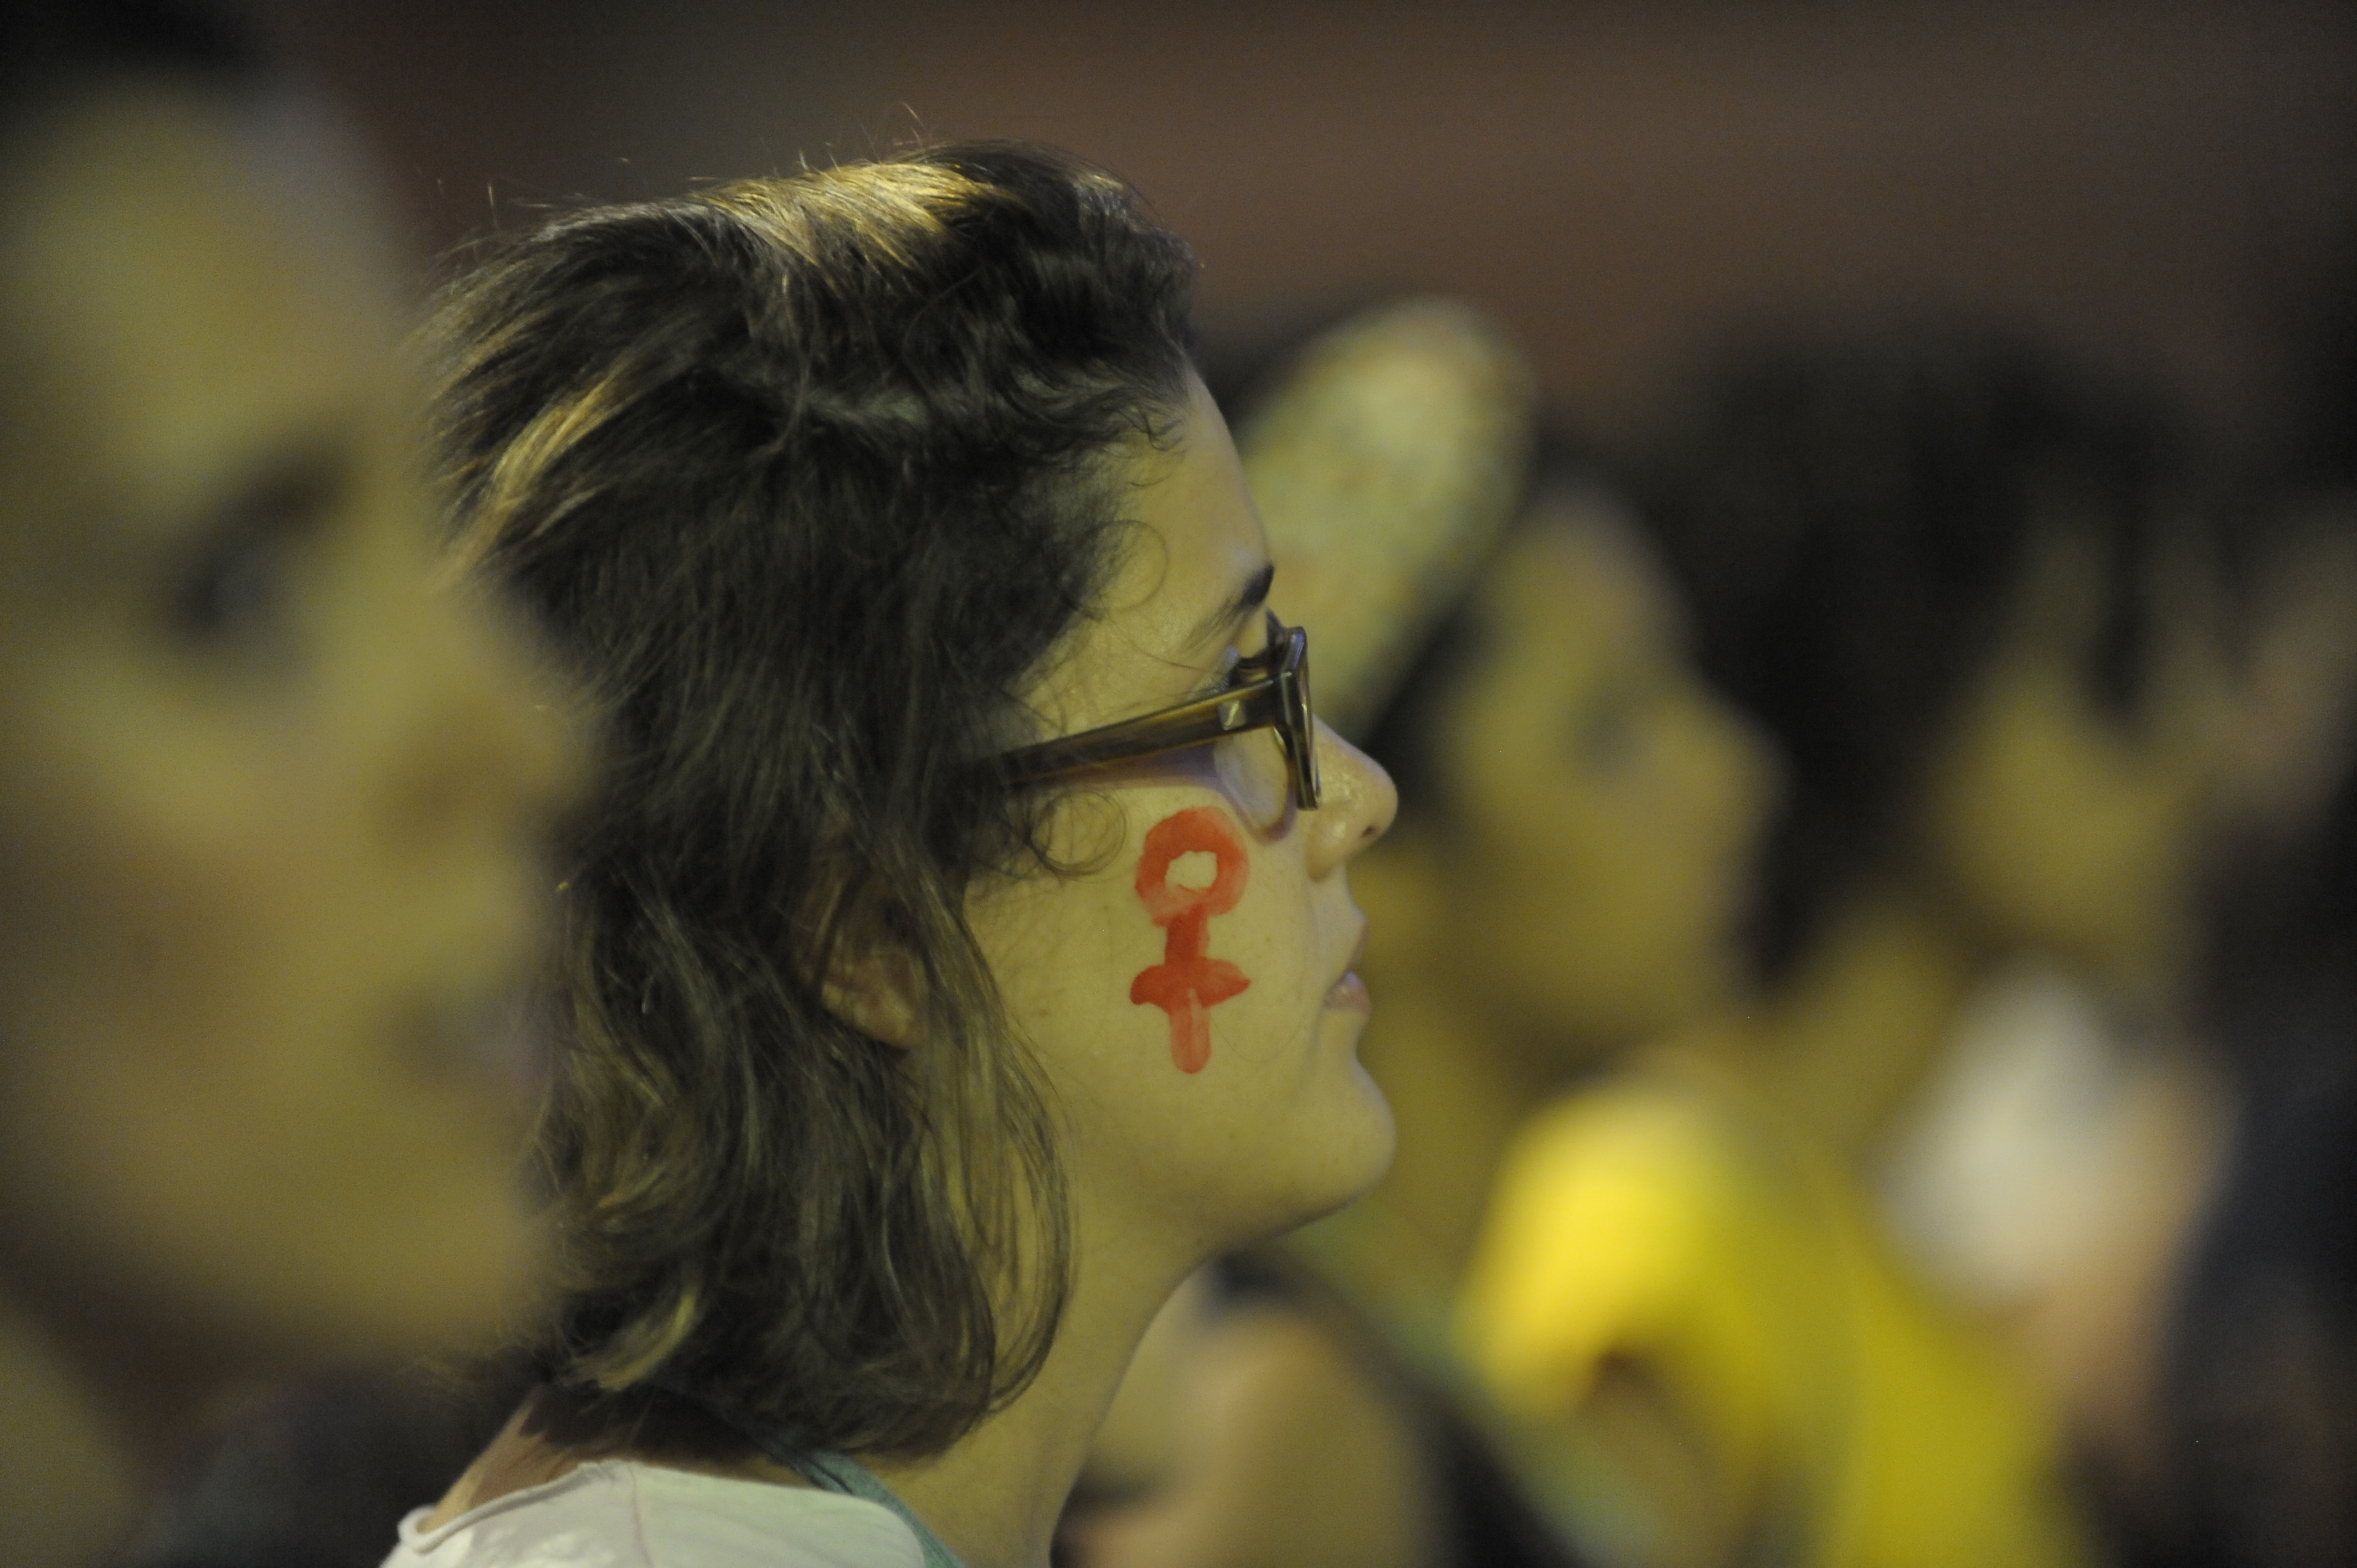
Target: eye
{"points": [[1234, 670], [234, 593], [236, 590]]}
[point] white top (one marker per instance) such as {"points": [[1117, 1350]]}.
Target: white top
{"points": [[614, 1513]]}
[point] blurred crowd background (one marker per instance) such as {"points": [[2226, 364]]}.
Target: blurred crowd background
{"points": [[1866, 970], [2165, 186]]}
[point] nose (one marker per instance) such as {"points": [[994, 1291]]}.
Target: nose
{"points": [[1356, 803]]}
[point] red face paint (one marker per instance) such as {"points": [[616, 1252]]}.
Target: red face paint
{"points": [[1187, 983]]}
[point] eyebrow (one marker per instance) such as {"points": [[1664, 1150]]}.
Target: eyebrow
{"points": [[1248, 598]]}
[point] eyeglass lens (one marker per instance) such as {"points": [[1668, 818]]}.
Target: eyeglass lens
{"points": [[1255, 777]]}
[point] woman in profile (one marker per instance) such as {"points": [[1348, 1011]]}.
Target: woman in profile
{"points": [[270, 812], [963, 952]]}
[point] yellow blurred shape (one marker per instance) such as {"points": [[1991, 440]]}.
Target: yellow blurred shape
{"points": [[1661, 1241]]}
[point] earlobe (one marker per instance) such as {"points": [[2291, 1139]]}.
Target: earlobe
{"points": [[868, 977], [878, 991]]}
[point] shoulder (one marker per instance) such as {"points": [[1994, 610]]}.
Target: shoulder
{"points": [[701, 1522], [620, 1515]]}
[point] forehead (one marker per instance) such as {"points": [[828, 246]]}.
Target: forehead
{"points": [[1205, 535], [173, 295], [1198, 543]]}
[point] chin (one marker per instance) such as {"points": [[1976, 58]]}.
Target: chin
{"points": [[1380, 1142], [1358, 1148]]}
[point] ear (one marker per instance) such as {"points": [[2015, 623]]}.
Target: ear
{"points": [[875, 984]]}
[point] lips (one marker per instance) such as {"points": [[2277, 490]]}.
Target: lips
{"points": [[1349, 995], [492, 1034]]}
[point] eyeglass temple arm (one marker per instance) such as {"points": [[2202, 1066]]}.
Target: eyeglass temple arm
{"points": [[1207, 718]]}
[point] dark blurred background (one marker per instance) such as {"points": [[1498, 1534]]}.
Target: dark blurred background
{"points": [[2165, 186]]}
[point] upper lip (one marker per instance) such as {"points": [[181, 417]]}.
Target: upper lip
{"points": [[1358, 951]]}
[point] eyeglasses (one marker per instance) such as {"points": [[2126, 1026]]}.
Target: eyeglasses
{"points": [[1268, 690]]}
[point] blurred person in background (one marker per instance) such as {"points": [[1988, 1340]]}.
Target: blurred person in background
{"points": [[1961, 588], [1566, 880], [271, 811], [963, 952], [2253, 1461]]}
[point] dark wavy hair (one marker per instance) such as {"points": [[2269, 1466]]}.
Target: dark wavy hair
{"points": [[810, 475], [1852, 516]]}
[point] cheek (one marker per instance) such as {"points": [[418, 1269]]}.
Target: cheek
{"points": [[1192, 869], [160, 969], [207, 1101], [165, 883], [1186, 960]]}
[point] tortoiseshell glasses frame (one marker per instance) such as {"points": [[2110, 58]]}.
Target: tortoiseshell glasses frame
{"points": [[1268, 690]]}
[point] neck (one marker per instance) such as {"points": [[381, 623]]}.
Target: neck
{"points": [[68, 1469], [1855, 1028], [995, 1497]]}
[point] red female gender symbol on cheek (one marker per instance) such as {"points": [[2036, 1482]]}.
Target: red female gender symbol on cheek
{"points": [[1188, 981]]}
